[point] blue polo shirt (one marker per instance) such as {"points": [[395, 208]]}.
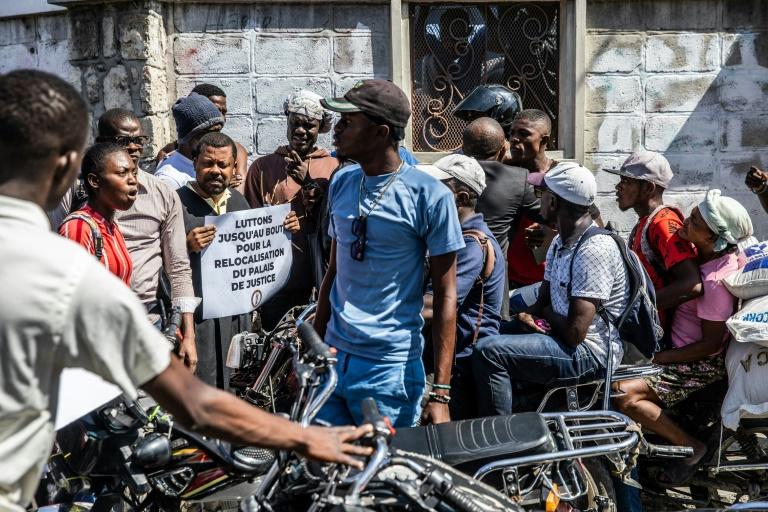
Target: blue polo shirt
{"points": [[376, 303]]}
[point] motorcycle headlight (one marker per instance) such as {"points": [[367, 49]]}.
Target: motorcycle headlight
{"points": [[246, 350], [235, 352]]}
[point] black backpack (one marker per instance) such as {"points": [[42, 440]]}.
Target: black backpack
{"points": [[639, 324]]}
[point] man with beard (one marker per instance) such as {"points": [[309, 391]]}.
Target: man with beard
{"points": [[297, 173], [209, 194]]}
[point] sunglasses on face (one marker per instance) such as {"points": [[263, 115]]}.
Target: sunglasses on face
{"points": [[539, 191], [124, 140], [357, 250]]}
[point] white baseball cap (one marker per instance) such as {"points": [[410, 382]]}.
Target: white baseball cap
{"points": [[459, 167], [573, 182]]}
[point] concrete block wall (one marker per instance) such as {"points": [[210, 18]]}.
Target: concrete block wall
{"points": [[261, 53], [688, 79]]}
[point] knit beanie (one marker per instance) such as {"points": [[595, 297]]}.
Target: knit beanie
{"points": [[193, 114]]}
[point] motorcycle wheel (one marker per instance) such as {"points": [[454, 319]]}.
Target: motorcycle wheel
{"points": [[601, 496]]}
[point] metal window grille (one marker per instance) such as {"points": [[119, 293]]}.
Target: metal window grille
{"points": [[456, 47]]}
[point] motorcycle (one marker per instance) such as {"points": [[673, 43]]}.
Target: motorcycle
{"points": [[392, 479]]}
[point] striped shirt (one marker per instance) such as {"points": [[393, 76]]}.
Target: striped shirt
{"points": [[114, 253]]}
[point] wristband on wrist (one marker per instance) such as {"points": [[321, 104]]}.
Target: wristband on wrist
{"points": [[446, 387], [441, 399]]}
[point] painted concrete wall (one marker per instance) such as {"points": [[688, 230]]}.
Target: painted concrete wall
{"points": [[261, 53], [688, 79]]}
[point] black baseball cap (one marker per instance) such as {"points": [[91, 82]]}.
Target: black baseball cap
{"points": [[378, 98]]}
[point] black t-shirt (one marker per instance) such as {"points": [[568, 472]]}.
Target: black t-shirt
{"points": [[506, 197]]}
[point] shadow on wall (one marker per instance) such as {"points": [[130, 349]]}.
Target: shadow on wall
{"points": [[689, 80]]}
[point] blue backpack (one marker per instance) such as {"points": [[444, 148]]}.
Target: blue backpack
{"points": [[639, 324]]}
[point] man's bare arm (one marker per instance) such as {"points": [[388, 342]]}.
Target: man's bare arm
{"points": [[323, 313], [213, 412], [572, 329], [684, 285]]}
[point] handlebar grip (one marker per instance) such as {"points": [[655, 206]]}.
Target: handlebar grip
{"points": [[670, 452], [311, 339]]}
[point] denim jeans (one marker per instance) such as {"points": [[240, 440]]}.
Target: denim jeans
{"points": [[396, 387], [505, 362]]}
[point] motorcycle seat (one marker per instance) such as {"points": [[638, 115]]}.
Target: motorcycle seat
{"points": [[468, 444]]}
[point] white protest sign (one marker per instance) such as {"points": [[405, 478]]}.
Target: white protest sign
{"points": [[247, 262]]}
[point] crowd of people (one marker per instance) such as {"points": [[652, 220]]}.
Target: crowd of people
{"points": [[412, 265]]}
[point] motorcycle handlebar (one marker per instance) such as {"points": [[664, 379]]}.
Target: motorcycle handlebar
{"points": [[312, 340]]}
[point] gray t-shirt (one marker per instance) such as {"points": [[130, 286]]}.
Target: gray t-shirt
{"points": [[598, 273]]}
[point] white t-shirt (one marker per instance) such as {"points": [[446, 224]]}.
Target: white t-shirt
{"points": [[598, 273], [176, 170], [59, 308]]}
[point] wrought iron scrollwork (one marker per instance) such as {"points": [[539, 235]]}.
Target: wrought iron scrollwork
{"points": [[459, 46]]}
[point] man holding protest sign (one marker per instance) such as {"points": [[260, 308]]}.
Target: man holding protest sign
{"points": [[209, 194], [296, 174]]}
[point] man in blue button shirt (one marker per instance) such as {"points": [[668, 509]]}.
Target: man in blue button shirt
{"points": [[385, 217], [479, 276]]}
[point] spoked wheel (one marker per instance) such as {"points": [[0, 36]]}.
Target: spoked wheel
{"points": [[601, 495]]}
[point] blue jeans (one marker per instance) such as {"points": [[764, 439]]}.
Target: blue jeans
{"points": [[506, 361], [396, 387]]}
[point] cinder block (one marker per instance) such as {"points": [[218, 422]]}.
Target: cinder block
{"points": [[270, 133], [682, 52], [745, 14], [16, 56], [361, 55], [345, 83], [117, 89], [693, 172], [54, 27], [744, 91], [314, 17], [154, 90], [361, 18], [240, 128], [210, 55], [238, 91], [748, 132], [653, 15], [209, 18], [614, 53], [612, 134], [84, 29], [17, 31], [613, 93], [681, 93], [681, 134], [745, 49], [291, 55], [271, 92], [734, 168]]}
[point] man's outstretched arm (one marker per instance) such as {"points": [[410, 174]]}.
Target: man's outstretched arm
{"points": [[215, 413]]}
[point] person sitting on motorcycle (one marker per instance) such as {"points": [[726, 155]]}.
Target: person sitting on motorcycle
{"points": [[698, 334], [479, 277], [566, 340]]}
